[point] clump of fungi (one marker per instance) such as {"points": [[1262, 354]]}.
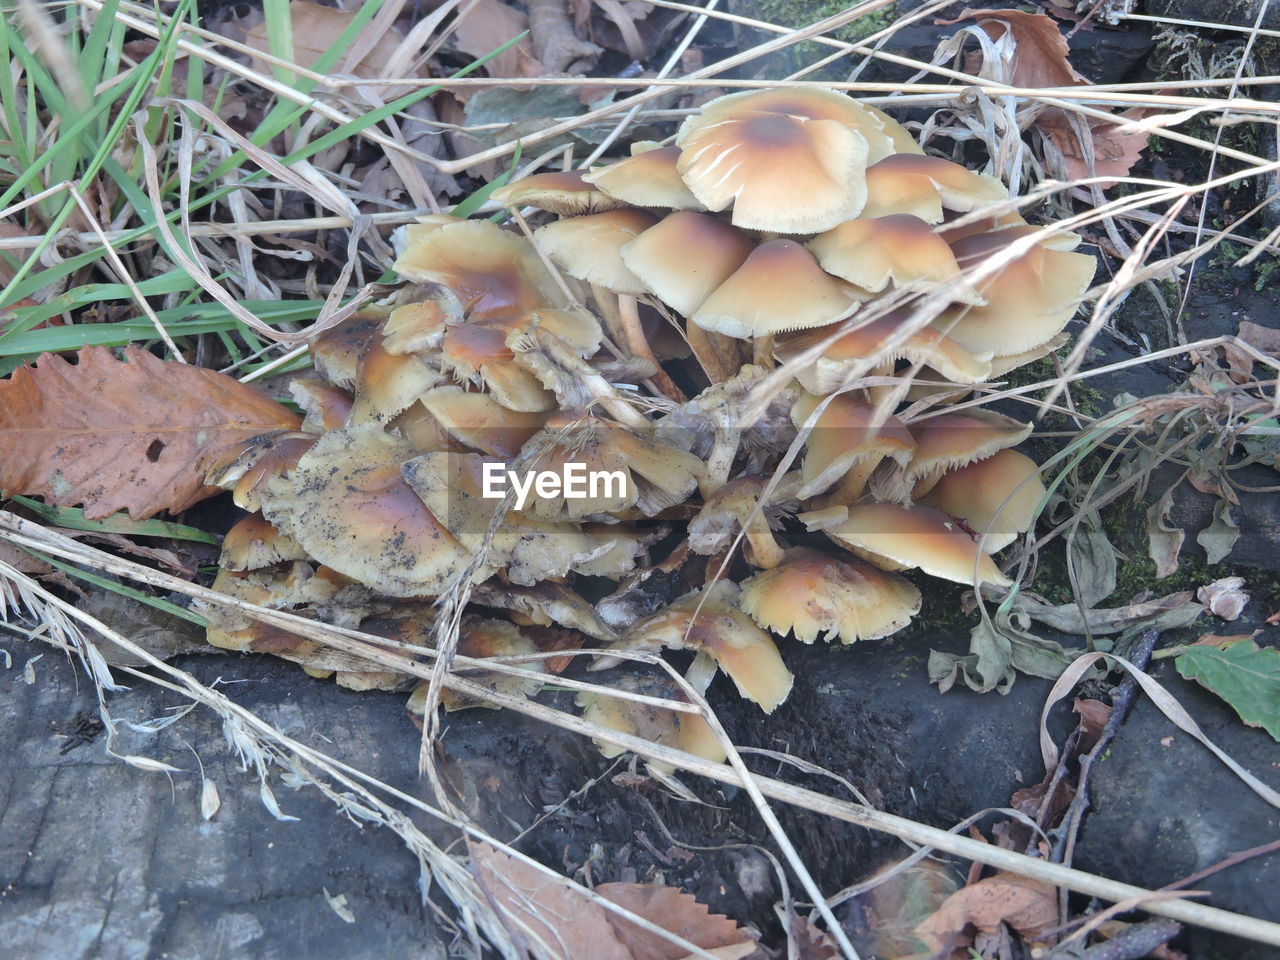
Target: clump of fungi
{"points": [[762, 326]]}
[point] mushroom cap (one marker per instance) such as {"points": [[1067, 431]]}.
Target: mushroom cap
{"points": [[950, 441], [900, 247], [388, 384], [414, 327], [479, 351], [564, 192], [998, 497], [348, 506], [245, 471], [1027, 301], [780, 172], [844, 434], [925, 186], [710, 620], [812, 593], [855, 347], [254, 543], [324, 407], [481, 638], [478, 421], [648, 178], [809, 103], [899, 537], [275, 586], [492, 272], [685, 257], [684, 731], [590, 248], [336, 352], [779, 287]]}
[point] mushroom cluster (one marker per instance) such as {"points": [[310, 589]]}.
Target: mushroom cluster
{"points": [[754, 336]]}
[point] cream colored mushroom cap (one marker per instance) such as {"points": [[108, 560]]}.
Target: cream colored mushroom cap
{"points": [[648, 178], [253, 543], [926, 186], [779, 287], [590, 248], [998, 497], [903, 537], [685, 257], [844, 434], [781, 173], [813, 593], [952, 440], [565, 192]]}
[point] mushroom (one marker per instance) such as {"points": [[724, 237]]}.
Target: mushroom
{"points": [[710, 621], [419, 326], [894, 537], [245, 470], [946, 442], [845, 444], [336, 352], [545, 604], [998, 497], [780, 172], [779, 287], [324, 407], [684, 731], [388, 384], [648, 178], [480, 638], [812, 593], [1027, 301], [900, 248], [866, 345], [478, 353], [348, 506], [926, 186], [477, 421], [685, 257], [564, 192], [253, 543], [589, 248], [737, 506]]}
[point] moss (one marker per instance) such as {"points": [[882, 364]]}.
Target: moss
{"points": [[1088, 399], [795, 14]]}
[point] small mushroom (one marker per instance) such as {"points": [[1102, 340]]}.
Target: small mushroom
{"points": [[894, 537], [336, 352], [477, 421], [737, 506], [478, 353], [926, 186], [845, 444], [589, 248], [246, 470], [480, 638], [669, 728], [779, 287], [947, 442], [663, 255], [648, 178], [812, 593], [253, 543], [419, 326], [388, 384], [711, 621], [324, 407], [564, 192], [998, 497]]}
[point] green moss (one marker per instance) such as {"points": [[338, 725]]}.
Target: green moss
{"points": [[795, 14], [1088, 400]]}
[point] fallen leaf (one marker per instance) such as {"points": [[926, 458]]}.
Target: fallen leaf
{"points": [[1115, 148], [1164, 613], [112, 435], [489, 24], [1219, 536], [339, 906], [569, 924], [316, 30], [1243, 674], [1025, 905], [22, 561], [1164, 541], [1039, 48]]}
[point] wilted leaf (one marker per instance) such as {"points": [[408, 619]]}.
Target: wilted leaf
{"points": [[1115, 148], [1040, 50], [1025, 905], [1164, 541], [1225, 598], [317, 29], [570, 925], [210, 802], [487, 26], [1094, 561], [999, 647], [136, 435], [1219, 536], [1163, 613], [1243, 674]]}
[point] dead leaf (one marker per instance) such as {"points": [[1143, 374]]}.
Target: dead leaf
{"points": [[569, 924], [22, 561], [315, 31], [812, 941], [1115, 149], [136, 435], [1164, 541], [1040, 49], [487, 26], [1225, 598], [1025, 905]]}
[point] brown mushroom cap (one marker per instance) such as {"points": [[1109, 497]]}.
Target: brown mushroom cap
{"points": [[480, 639], [564, 192], [780, 172], [685, 257], [947, 442], [478, 421], [882, 133], [324, 407], [493, 273], [812, 593], [648, 178], [925, 186], [336, 352], [710, 620], [246, 471], [388, 384], [684, 731], [998, 497], [1027, 302], [779, 287], [254, 543], [590, 248], [855, 347], [348, 506], [414, 327], [479, 352], [897, 537], [843, 435], [900, 247]]}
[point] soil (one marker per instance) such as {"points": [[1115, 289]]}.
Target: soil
{"points": [[101, 860]]}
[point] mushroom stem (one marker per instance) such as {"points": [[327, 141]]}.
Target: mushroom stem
{"points": [[701, 672], [765, 550], [716, 354], [719, 461], [883, 369], [638, 344], [850, 488], [762, 352]]}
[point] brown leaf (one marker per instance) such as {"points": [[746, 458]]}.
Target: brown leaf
{"points": [[489, 25], [1027, 906], [570, 925], [22, 561], [315, 31], [1115, 150], [1040, 49], [136, 435]]}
